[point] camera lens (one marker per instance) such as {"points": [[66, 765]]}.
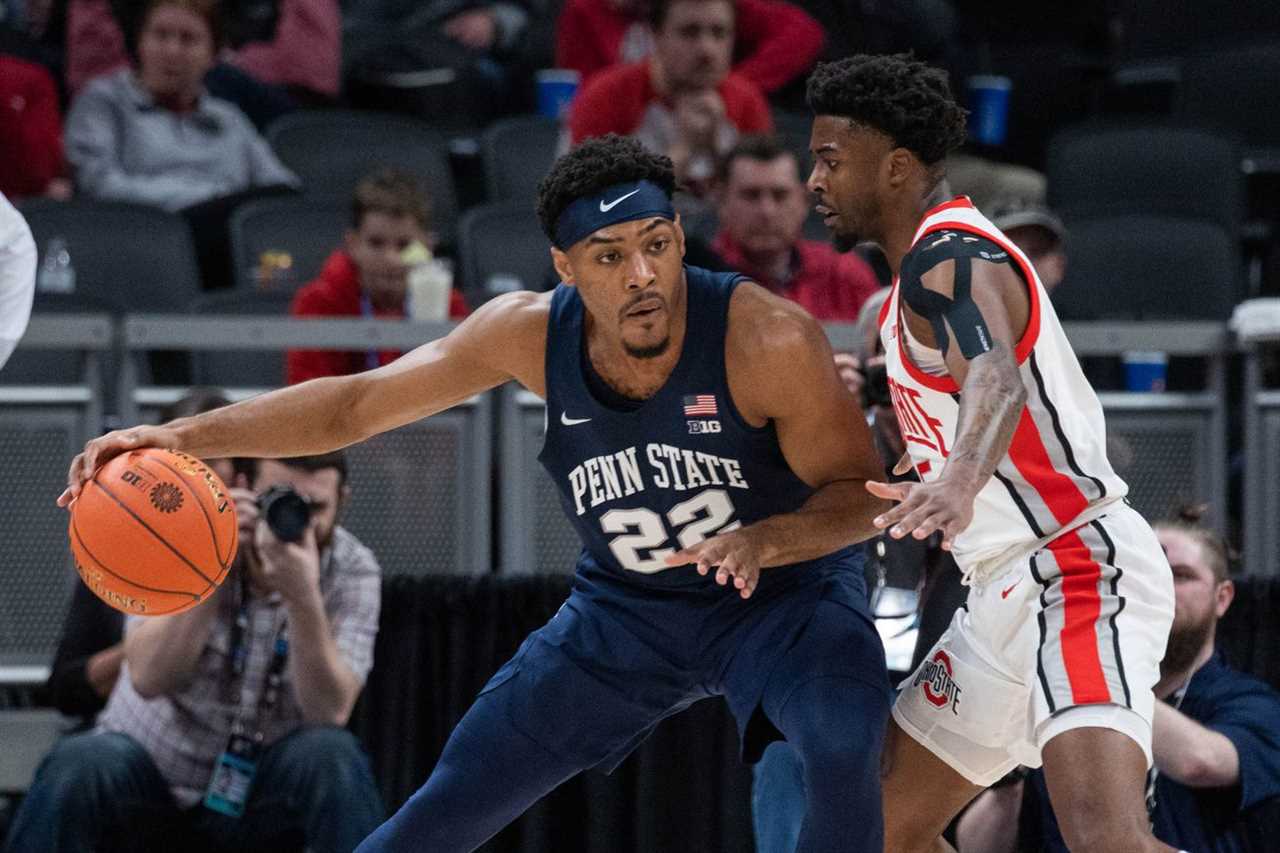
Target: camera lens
{"points": [[286, 512]]}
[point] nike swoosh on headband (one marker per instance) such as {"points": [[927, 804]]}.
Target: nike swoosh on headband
{"points": [[605, 208]]}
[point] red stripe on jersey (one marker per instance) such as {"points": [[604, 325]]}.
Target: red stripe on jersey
{"points": [[1081, 607], [1058, 491]]}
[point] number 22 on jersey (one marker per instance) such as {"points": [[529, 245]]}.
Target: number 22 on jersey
{"points": [[642, 530]]}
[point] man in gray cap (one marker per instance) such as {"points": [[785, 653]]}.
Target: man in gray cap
{"points": [[1039, 233]]}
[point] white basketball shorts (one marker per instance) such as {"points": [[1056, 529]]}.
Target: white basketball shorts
{"points": [[1066, 637]]}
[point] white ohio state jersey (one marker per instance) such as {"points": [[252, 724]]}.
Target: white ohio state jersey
{"points": [[1056, 474]]}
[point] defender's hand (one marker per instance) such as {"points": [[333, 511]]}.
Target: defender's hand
{"points": [[923, 508], [733, 555], [106, 447]]}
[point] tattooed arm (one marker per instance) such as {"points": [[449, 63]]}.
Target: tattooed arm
{"points": [[975, 318]]}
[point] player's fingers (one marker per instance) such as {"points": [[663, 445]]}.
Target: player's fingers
{"points": [[889, 491], [903, 465], [909, 520], [925, 528], [894, 514], [728, 570]]}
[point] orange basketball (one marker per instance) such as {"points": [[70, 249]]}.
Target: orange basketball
{"points": [[153, 532]]}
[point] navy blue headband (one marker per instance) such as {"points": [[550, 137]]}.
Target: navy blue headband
{"points": [[618, 203]]}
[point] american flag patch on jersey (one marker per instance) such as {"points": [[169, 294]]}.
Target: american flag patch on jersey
{"points": [[700, 405]]}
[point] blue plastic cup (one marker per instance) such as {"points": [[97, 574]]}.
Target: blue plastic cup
{"points": [[989, 108], [1145, 371], [556, 88]]}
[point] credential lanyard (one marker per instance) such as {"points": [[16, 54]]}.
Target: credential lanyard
{"points": [[236, 662], [371, 357]]}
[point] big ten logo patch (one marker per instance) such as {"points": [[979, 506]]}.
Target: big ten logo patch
{"points": [[935, 678], [703, 427], [917, 425]]}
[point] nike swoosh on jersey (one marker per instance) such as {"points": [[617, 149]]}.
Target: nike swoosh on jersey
{"points": [[1004, 593], [605, 208], [568, 421]]}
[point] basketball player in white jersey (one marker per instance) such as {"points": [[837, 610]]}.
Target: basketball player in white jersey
{"points": [[1054, 658]]}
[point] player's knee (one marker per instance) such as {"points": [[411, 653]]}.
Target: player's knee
{"points": [[1086, 825]]}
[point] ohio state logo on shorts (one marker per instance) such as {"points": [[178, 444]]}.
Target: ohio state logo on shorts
{"points": [[934, 677]]}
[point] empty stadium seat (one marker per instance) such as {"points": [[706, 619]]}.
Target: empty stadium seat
{"points": [[129, 258], [307, 230], [1110, 169], [1149, 267], [498, 246], [517, 153], [331, 150], [239, 368], [1234, 87]]}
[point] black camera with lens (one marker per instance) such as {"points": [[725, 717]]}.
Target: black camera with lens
{"points": [[875, 388], [286, 512]]}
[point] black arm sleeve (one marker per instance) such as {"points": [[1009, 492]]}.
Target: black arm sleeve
{"points": [[958, 313], [90, 627]]}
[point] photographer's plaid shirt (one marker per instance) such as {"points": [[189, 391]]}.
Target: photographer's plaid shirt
{"points": [[185, 731]]}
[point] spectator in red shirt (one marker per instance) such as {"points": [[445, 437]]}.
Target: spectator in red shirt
{"points": [[31, 158], [367, 276], [776, 42], [762, 208], [683, 101]]}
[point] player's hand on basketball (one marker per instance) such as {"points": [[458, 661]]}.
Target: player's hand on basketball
{"points": [[289, 568], [924, 508], [735, 557], [106, 447]]}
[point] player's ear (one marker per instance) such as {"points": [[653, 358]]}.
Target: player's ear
{"points": [[564, 268], [899, 166]]}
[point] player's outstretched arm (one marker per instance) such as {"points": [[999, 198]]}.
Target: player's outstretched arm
{"points": [[504, 339], [975, 328], [781, 368]]}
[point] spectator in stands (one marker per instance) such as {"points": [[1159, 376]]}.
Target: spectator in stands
{"points": [[777, 42], [265, 672], [17, 277], [762, 207], [1040, 235], [683, 101], [31, 159], [1214, 738], [368, 276], [282, 55], [153, 135], [488, 47], [90, 652]]}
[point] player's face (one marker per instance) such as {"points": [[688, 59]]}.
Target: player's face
{"points": [[695, 44], [376, 248], [850, 164], [175, 50], [322, 489], [764, 206], [630, 278]]}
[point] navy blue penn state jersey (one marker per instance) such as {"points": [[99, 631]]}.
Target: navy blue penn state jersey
{"points": [[681, 467]]}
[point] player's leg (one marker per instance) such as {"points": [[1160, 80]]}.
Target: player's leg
{"points": [[1107, 602], [539, 721], [1099, 811], [922, 794], [829, 697], [956, 721]]}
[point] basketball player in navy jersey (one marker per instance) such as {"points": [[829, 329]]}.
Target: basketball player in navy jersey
{"points": [[715, 467], [1055, 655]]}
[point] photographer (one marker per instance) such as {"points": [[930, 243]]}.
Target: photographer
{"points": [[226, 723]]}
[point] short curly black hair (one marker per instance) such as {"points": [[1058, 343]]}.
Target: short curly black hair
{"points": [[905, 99], [593, 165]]}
